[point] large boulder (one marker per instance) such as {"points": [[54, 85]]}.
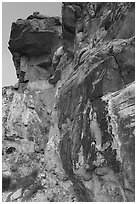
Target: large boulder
{"points": [[35, 37], [32, 43]]}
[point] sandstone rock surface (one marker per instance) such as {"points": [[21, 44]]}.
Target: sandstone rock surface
{"points": [[72, 140]]}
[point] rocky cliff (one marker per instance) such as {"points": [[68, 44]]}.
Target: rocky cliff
{"points": [[68, 125]]}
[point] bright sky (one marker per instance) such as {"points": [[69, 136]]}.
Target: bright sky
{"points": [[11, 11]]}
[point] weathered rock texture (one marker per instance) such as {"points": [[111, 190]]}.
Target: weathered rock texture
{"points": [[69, 136]]}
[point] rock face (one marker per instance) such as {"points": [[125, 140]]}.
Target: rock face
{"points": [[68, 132]]}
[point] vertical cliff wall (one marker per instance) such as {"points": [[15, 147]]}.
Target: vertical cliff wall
{"points": [[68, 125]]}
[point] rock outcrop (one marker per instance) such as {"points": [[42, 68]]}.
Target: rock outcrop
{"points": [[32, 43], [69, 131]]}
